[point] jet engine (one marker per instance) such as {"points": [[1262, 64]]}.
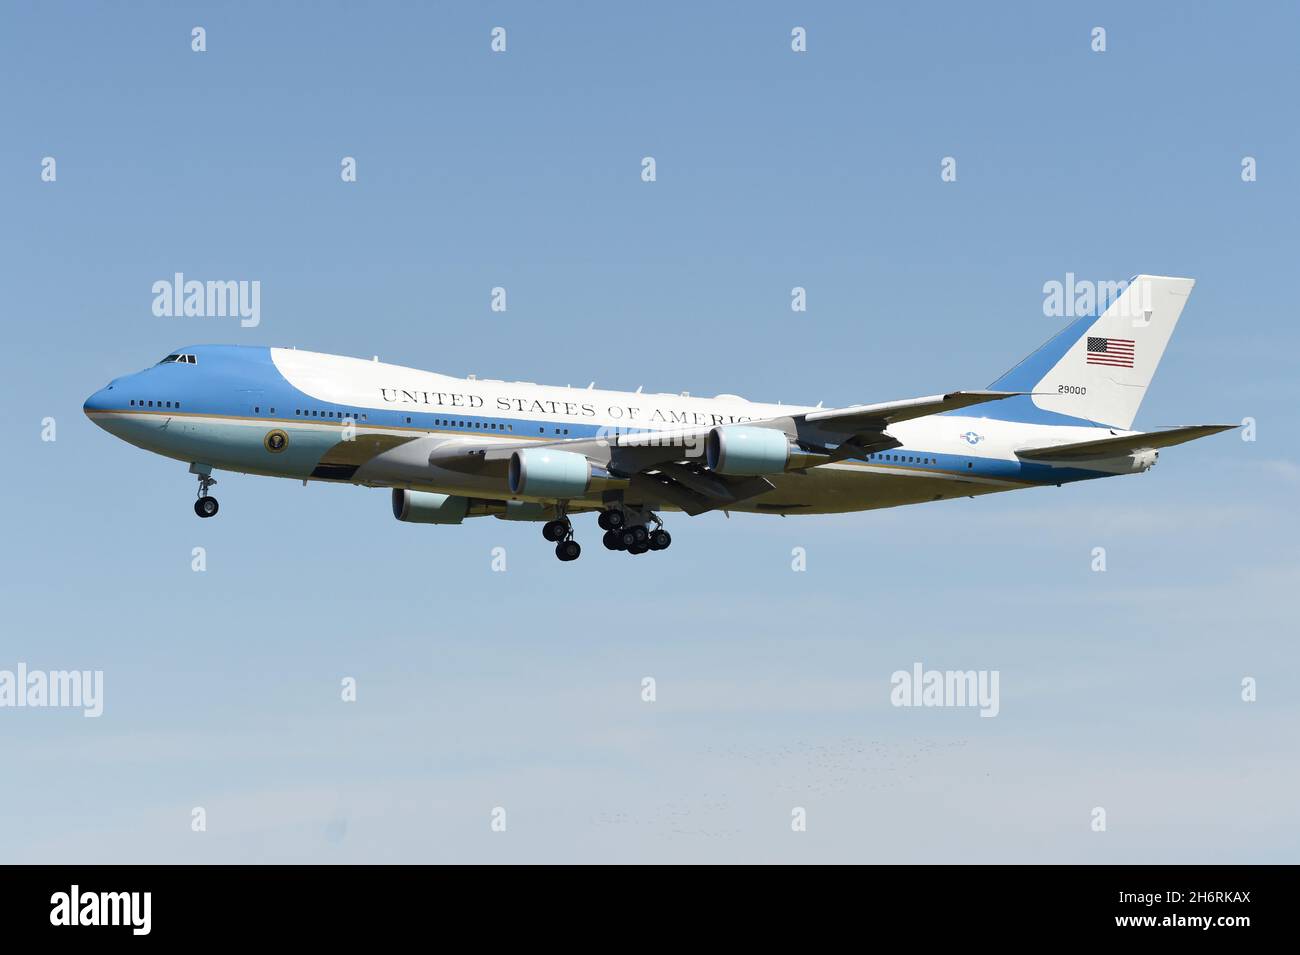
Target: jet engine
{"points": [[542, 472], [428, 507], [743, 451]]}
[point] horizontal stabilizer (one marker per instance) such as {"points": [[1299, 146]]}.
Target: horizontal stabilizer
{"points": [[1119, 446]]}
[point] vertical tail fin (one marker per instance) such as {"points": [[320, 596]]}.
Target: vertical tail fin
{"points": [[1097, 369]]}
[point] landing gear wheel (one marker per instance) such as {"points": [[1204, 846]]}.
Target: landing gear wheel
{"points": [[568, 550], [206, 505], [638, 548], [610, 520], [612, 540], [640, 534], [555, 530], [660, 539]]}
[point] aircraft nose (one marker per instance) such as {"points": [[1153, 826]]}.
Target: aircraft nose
{"points": [[102, 400]]}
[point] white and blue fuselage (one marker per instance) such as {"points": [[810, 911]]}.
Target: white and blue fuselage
{"points": [[346, 419], [456, 447]]}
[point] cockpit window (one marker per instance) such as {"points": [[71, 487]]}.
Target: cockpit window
{"points": [[185, 359]]}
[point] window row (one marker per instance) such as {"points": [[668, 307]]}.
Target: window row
{"points": [[902, 458], [438, 422], [480, 425], [911, 459], [141, 403], [316, 413]]}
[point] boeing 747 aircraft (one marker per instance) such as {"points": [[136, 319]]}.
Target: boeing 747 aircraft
{"points": [[452, 448]]}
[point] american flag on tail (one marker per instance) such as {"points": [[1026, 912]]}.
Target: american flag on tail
{"points": [[1116, 352]]}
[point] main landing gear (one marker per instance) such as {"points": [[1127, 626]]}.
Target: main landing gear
{"points": [[627, 531], [206, 506], [560, 531]]}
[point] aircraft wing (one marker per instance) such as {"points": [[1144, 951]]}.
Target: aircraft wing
{"points": [[860, 430], [670, 464], [1122, 445], [877, 417]]}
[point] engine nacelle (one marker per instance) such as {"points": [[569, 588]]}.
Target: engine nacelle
{"points": [[542, 472], [744, 451], [428, 507]]}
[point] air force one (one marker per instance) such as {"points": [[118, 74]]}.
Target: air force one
{"points": [[452, 448]]}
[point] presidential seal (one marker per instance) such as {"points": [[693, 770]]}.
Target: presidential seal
{"points": [[275, 441]]}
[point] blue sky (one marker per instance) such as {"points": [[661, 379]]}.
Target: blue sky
{"points": [[522, 689]]}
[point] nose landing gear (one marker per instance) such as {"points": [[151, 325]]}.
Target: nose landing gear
{"points": [[206, 506]]}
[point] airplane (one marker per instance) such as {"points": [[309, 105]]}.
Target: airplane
{"points": [[452, 448]]}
